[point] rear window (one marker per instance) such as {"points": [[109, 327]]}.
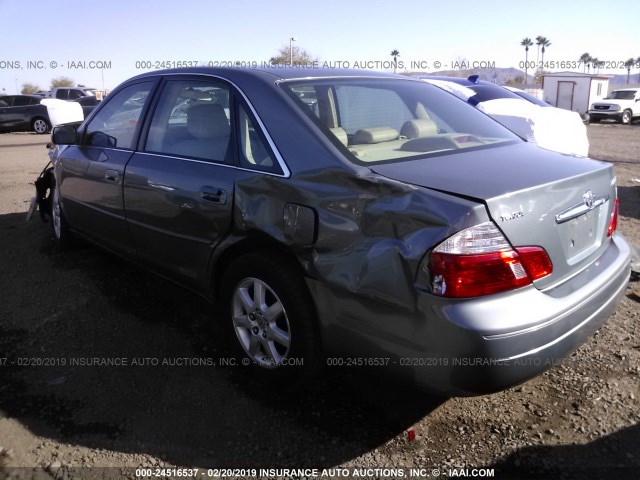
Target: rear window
{"points": [[387, 120]]}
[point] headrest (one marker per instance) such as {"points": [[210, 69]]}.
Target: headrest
{"points": [[341, 134], [375, 135], [421, 127], [207, 121]]}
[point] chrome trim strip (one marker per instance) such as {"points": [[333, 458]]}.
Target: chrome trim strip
{"points": [[581, 208], [212, 163]]}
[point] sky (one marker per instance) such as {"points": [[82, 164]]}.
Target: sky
{"points": [[101, 44]]}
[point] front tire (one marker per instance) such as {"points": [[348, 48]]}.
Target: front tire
{"points": [[40, 126], [59, 227], [625, 119], [270, 319]]}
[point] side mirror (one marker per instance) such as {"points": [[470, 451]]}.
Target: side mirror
{"points": [[65, 134]]}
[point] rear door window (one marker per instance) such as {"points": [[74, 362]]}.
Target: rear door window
{"points": [[192, 119]]}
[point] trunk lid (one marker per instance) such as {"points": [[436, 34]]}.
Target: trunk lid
{"points": [[536, 197]]}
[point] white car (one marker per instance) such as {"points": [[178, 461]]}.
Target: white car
{"points": [[620, 105], [548, 127]]}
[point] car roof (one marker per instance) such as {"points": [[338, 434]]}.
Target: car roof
{"points": [[22, 95], [459, 80], [280, 73]]}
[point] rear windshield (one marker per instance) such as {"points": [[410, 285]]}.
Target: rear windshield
{"points": [[387, 120]]}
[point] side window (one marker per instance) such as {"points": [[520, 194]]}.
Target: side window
{"points": [[6, 101], [21, 101], [62, 94], [115, 124], [192, 119], [73, 94], [254, 152]]}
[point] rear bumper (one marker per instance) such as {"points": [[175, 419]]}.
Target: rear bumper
{"points": [[475, 345]]}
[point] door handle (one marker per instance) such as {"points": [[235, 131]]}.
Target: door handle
{"points": [[111, 175], [214, 195]]}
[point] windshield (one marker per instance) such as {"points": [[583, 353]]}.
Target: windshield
{"points": [[385, 120], [621, 95]]}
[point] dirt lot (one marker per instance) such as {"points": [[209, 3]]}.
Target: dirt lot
{"points": [[579, 420]]}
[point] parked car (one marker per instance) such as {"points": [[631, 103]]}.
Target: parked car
{"points": [[386, 223], [71, 93], [23, 112], [549, 127], [527, 96], [88, 103], [620, 105]]}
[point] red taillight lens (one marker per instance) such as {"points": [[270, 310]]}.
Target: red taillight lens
{"points": [[461, 276], [479, 261], [613, 224], [535, 261]]}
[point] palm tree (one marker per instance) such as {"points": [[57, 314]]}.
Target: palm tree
{"points": [[585, 58], [526, 43], [395, 54], [628, 64], [541, 42], [538, 43], [595, 63], [545, 43]]}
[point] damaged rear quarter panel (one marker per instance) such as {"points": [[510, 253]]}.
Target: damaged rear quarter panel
{"points": [[371, 232]]}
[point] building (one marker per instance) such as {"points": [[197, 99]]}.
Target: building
{"points": [[574, 91]]}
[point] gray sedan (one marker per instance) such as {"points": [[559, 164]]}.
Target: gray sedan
{"points": [[349, 218]]}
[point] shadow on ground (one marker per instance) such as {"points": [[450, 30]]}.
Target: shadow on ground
{"points": [[104, 355], [629, 201], [612, 457]]}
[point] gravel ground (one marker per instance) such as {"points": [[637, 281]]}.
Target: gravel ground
{"points": [[581, 419]]}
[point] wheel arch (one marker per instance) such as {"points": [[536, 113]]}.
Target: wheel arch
{"points": [[252, 243]]}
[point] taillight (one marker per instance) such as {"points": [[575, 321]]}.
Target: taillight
{"points": [[480, 261], [613, 223]]}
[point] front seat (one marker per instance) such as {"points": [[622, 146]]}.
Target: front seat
{"points": [[210, 131]]}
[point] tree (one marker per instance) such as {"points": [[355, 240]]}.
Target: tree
{"points": [[62, 82], [29, 88], [541, 42], [538, 43], [395, 54], [545, 43], [300, 56], [595, 63], [526, 43], [585, 59], [628, 64]]}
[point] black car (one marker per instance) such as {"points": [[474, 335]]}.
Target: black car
{"points": [[23, 112], [88, 103]]}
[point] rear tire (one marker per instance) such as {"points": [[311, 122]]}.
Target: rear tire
{"points": [[40, 126], [270, 319]]}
